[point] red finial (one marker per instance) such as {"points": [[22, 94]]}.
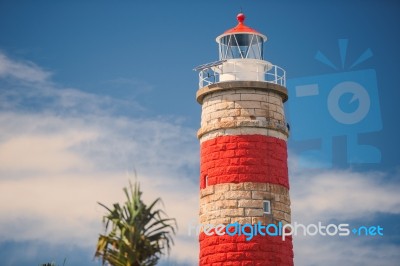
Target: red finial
{"points": [[240, 17]]}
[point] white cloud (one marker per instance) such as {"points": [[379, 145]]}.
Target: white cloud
{"points": [[22, 71], [59, 160], [54, 170], [26, 86], [63, 208], [341, 196], [30, 153]]}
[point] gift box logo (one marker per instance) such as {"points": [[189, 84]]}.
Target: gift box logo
{"points": [[338, 104]]}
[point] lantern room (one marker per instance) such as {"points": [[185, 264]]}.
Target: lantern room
{"points": [[241, 58], [241, 42]]}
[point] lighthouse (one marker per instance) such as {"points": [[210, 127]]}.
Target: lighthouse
{"points": [[243, 135]]}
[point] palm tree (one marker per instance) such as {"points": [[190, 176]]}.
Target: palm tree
{"points": [[135, 234]]}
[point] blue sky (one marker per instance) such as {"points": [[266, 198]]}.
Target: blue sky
{"points": [[90, 90]]}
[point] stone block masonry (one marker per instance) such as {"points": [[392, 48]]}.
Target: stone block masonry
{"points": [[226, 108], [243, 163], [243, 203]]}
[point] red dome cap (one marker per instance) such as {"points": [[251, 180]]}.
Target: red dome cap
{"points": [[241, 28]]}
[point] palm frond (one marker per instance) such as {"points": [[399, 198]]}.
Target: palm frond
{"points": [[136, 234]]}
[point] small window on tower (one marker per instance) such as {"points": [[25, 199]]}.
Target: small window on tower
{"points": [[206, 179], [267, 206]]}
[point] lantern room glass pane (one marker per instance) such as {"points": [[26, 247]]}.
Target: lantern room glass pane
{"points": [[242, 45]]}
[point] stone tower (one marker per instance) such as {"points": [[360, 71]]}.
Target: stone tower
{"points": [[243, 169]]}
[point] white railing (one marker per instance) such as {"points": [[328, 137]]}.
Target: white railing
{"points": [[208, 75]]}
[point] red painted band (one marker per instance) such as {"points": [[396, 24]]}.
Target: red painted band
{"points": [[235, 250], [244, 158]]}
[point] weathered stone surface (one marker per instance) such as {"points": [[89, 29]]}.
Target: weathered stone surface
{"points": [[247, 107], [244, 200], [253, 212], [250, 203]]}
